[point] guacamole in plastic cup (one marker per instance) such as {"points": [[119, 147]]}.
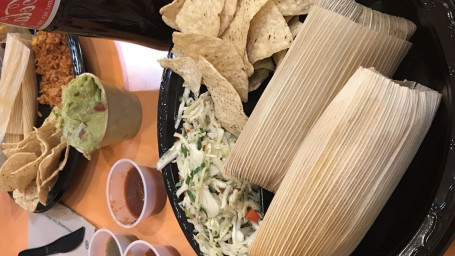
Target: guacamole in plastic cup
{"points": [[96, 114]]}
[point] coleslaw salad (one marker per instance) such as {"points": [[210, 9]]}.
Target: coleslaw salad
{"points": [[224, 210]]}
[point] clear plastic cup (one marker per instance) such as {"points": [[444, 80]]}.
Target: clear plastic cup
{"points": [[104, 240], [154, 192], [140, 247]]}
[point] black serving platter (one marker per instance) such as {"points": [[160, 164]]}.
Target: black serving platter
{"points": [[66, 175], [419, 218]]}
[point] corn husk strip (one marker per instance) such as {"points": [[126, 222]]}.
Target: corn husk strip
{"points": [[326, 52], [346, 168], [15, 122], [29, 94], [385, 23], [6, 29], [14, 138], [14, 65], [348, 8]]}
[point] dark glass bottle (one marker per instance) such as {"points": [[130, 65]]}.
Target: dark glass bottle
{"points": [[136, 21]]}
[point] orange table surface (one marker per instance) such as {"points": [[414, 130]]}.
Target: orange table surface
{"points": [[135, 68]]}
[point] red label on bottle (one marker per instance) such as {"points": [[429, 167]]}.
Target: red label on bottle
{"points": [[28, 13]]}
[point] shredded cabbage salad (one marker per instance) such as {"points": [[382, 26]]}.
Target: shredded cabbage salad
{"points": [[224, 210]]}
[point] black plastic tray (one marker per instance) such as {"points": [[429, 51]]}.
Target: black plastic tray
{"points": [[418, 219]]}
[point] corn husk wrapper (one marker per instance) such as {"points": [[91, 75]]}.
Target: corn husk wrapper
{"points": [[14, 138], [381, 22], [7, 29], [15, 63], [29, 90], [346, 168], [15, 121], [326, 52]]}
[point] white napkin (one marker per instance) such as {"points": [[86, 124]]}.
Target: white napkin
{"points": [[44, 228]]}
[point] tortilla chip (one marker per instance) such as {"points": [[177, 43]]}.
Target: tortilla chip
{"points": [[248, 66], [50, 163], [187, 68], [169, 13], [278, 57], [269, 33], [237, 32], [47, 184], [230, 6], [32, 144], [47, 129], [266, 63], [294, 7], [258, 78], [294, 25], [9, 145], [27, 173], [228, 106], [43, 191], [32, 147], [55, 139], [27, 199], [221, 54], [200, 17], [288, 18], [13, 163]]}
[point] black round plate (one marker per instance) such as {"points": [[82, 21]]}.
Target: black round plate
{"points": [[418, 219], [66, 175]]}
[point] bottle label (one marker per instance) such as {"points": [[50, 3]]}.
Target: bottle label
{"points": [[36, 14]]}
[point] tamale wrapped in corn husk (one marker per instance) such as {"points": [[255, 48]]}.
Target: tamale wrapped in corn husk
{"points": [[346, 168], [23, 113], [327, 50], [15, 63]]}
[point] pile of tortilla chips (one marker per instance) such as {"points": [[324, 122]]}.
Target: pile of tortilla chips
{"points": [[231, 46], [33, 165]]}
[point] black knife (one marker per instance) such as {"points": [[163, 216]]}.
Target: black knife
{"points": [[63, 244]]}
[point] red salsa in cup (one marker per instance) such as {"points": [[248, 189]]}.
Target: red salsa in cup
{"points": [[134, 192]]}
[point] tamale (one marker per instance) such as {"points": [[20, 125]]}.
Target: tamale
{"points": [[15, 63], [327, 50], [346, 168]]}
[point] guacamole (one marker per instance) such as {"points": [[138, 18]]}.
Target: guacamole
{"points": [[83, 115]]}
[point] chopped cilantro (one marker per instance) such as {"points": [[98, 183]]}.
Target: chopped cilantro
{"points": [[191, 195], [194, 172], [184, 150]]}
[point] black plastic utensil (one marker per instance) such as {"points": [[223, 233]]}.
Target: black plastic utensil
{"points": [[63, 244]]}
